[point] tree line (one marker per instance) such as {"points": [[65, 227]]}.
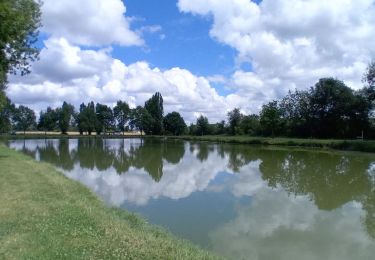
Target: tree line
{"points": [[329, 109], [98, 118]]}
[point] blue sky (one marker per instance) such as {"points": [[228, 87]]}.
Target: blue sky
{"points": [[204, 56], [187, 43]]}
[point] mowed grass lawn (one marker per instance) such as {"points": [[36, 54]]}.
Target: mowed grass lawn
{"points": [[44, 215]]}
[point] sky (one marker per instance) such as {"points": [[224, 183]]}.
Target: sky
{"points": [[204, 56]]}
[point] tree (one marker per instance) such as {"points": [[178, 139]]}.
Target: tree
{"points": [[104, 118], [202, 126], [154, 107], [24, 118], [234, 120], [369, 77], [86, 118], [270, 118], [20, 20], [174, 123], [48, 120], [220, 128], [296, 110], [122, 114], [142, 120], [65, 117], [192, 129], [6, 115], [250, 124], [332, 103]]}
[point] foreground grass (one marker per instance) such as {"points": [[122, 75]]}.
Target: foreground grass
{"points": [[348, 145], [44, 215]]}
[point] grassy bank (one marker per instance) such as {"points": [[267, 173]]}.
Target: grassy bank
{"points": [[348, 145], [44, 215]]}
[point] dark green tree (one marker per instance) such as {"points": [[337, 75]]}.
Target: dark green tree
{"points": [[24, 118], [6, 115], [332, 106], [105, 120], [192, 129], [369, 77], [250, 125], [234, 120], [202, 126], [20, 20], [154, 107], [142, 120], [86, 118], [122, 114], [48, 120], [220, 128], [270, 119], [65, 113], [296, 110], [174, 124]]}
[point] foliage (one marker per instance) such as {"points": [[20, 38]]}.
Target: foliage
{"points": [[369, 76], [270, 119], [86, 118], [122, 115], [105, 119], [65, 117], [334, 109], [154, 107], [234, 120], [250, 125], [20, 20], [24, 118], [141, 120], [202, 126], [174, 123], [48, 120], [6, 115]]}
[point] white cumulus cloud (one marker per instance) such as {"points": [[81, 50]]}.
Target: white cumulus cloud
{"points": [[66, 72], [291, 44], [89, 22]]}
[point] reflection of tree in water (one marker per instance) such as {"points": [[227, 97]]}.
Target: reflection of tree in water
{"points": [[122, 160], [369, 219], [60, 157], [48, 153], [204, 149], [65, 158], [96, 153], [103, 155], [330, 179], [174, 151], [85, 151], [150, 155], [238, 155], [27, 151]]}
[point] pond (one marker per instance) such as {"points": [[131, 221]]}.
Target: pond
{"points": [[240, 201]]}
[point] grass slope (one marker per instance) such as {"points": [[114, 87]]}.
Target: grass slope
{"points": [[349, 145], [44, 215]]}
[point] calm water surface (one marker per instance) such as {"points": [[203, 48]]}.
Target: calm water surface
{"points": [[239, 201]]}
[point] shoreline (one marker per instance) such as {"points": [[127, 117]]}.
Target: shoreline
{"points": [[46, 215], [334, 144]]}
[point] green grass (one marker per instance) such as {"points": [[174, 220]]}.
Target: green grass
{"points": [[348, 145], [44, 215]]}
